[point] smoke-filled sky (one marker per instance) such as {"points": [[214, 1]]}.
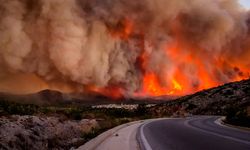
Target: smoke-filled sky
{"points": [[245, 3], [127, 47]]}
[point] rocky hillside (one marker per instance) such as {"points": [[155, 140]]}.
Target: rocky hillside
{"points": [[40, 133], [214, 101]]}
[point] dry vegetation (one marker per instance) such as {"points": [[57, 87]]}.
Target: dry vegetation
{"points": [[55, 127], [231, 100], [65, 126]]}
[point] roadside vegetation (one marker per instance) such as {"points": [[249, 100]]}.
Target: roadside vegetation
{"points": [[107, 118], [238, 116]]}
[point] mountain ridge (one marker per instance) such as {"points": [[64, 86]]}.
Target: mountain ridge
{"points": [[233, 90]]}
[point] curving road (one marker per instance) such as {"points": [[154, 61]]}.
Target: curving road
{"points": [[196, 133]]}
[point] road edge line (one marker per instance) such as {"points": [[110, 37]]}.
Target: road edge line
{"points": [[220, 122], [214, 133], [143, 143], [141, 139]]}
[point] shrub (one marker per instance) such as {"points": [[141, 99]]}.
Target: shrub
{"points": [[74, 113], [13, 108], [238, 116]]}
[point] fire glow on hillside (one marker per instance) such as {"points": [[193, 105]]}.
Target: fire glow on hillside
{"points": [[125, 47]]}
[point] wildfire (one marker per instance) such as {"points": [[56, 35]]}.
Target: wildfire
{"points": [[148, 47], [152, 86], [178, 82], [113, 91]]}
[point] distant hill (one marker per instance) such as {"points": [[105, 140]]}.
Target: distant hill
{"points": [[51, 97], [214, 101], [211, 101]]}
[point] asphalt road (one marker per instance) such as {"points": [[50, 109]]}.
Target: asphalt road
{"points": [[196, 133]]}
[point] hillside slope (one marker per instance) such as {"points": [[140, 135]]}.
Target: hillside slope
{"points": [[214, 101]]}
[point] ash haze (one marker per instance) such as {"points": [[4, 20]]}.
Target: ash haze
{"points": [[143, 47], [245, 3]]}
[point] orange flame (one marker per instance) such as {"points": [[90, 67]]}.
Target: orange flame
{"points": [[114, 92], [152, 86], [179, 82], [182, 79], [177, 86]]}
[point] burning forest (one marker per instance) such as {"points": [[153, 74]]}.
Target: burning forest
{"points": [[123, 47]]}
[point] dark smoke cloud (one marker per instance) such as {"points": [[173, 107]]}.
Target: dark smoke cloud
{"points": [[71, 40]]}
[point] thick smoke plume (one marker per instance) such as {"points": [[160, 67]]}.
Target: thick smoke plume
{"points": [[153, 47]]}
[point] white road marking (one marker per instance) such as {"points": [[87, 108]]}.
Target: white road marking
{"points": [[143, 138], [216, 134]]}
